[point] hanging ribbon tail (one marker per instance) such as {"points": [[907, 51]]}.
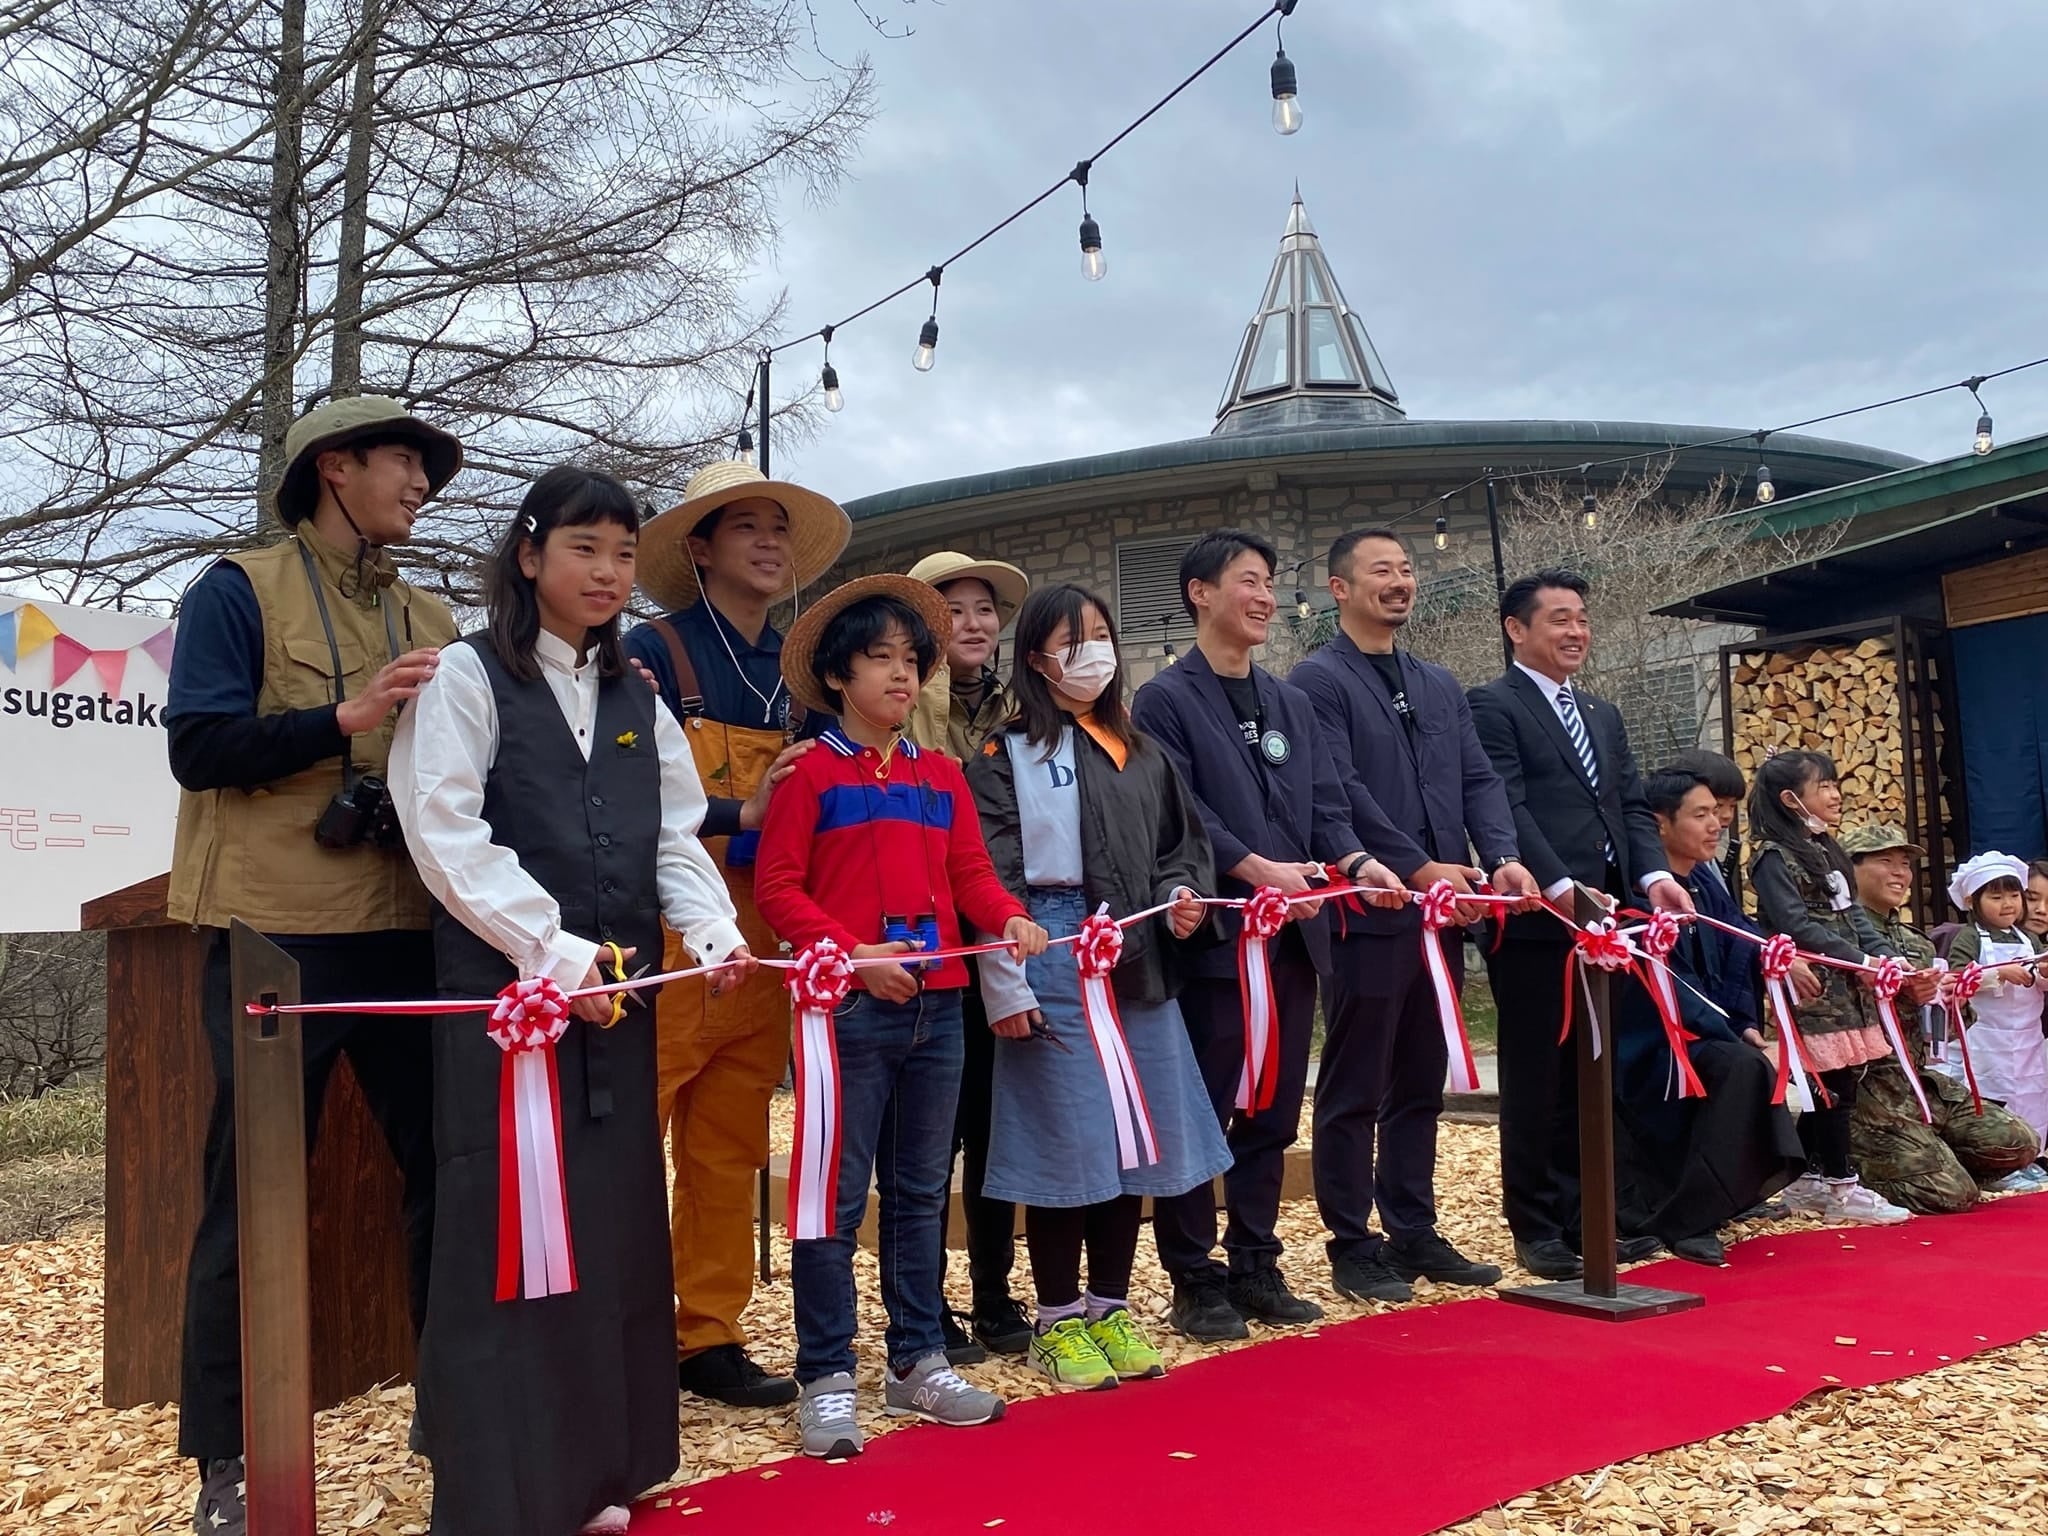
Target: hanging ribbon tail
{"points": [[1895, 1037], [1261, 1074], [534, 1254], [1683, 1082], [814, 1164], [1795, 1085], [1571, 976], [1962, 1038], [1464, 1071], [1137, 1145]]}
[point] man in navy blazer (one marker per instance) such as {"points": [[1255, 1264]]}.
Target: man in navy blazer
{"points": [[1401, 734], [1266, 788], [1580, 816]]}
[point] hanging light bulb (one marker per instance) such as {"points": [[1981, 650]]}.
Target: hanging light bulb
{"points": [[1302, 606], [927, 353], [835, 399], [1094, 266], [745, 451], [1286, 105], [1765, 491], [1443, 533], [1983, 444], [1589, 511]]}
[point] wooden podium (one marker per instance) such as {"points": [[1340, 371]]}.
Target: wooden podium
{"points": [[159, 1095]]}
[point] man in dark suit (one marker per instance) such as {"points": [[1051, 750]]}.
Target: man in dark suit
{"points": [[1401, 734], [1262, 777], [1579, 816]]}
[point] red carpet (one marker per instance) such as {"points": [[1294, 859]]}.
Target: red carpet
{"points": [[1400, 1424]]}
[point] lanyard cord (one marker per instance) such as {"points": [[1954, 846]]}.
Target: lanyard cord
{"points": [[348, 764]]}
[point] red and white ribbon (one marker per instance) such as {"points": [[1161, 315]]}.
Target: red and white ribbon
{"points": [[1602, 945], [1096, 952], [1439, 906], [1796, 1083], [1265, 914], [1962, 987], [818, 982], [535, 1257], [1886, 982], [1658, 938]]}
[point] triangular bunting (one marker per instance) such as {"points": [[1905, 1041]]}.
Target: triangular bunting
{"points": [[7, 640], [66, 657], [32, 630], [158, 648], [110, 665]]}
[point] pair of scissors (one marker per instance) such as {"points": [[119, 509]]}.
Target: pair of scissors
{"points": [[621, 1001], [1040, 1030]]}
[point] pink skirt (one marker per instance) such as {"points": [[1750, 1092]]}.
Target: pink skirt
{"points": [[1839, 1048]]}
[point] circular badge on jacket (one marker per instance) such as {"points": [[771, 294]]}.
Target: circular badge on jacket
{"points": [[1275, 747]]}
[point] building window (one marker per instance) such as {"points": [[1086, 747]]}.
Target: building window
{"points": [[1268, 368], [1324, 349], [1148, 605]]}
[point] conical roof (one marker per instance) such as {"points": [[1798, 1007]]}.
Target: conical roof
{"points": [[1306, 359]]}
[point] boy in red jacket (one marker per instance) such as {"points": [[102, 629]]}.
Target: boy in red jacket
{"points": [[866, 838]]}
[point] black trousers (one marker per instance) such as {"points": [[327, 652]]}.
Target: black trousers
{"points": [[1185, 1225], [991, 1224], [393, 1062], [1539, 1090], [1379, 1090], [1057, 1234]]}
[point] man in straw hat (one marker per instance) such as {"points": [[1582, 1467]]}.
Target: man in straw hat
{"points": [[738, 544], [962, 704], [874, 844], [292, 663], [1935, 1169]]}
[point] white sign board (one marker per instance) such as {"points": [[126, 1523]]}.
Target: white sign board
{"points": [[87, 802]]}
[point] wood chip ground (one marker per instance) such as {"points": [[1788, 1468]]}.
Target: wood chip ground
{"points": [[1958, 1450]]}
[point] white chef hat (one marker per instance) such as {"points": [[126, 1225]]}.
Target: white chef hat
{"points": [[1980, 872]]}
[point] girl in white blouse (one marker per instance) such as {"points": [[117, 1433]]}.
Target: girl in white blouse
{"points": [[552, 808]]}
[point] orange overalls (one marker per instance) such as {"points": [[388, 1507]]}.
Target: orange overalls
{"points": [[718, 1061]]}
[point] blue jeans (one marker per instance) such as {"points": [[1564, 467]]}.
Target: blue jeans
{"points": [[899, 1081]]}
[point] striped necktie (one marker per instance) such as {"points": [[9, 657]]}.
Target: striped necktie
{"points": [[1582, 743]]}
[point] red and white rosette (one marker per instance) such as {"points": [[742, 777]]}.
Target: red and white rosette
{"points": [[818, 982], [1439, 908], [1602, 945], [1658, 938], [1097, 948], [1796, 1084], [1265, 914], [535, 1257], [1962, 987], [1886, 981]]}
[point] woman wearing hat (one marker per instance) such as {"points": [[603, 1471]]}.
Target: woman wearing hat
{"points": [[738, 545], [964, 704]]}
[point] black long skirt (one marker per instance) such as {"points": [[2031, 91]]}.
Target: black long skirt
{"points": [[537, 1414], [1685, 1166]]}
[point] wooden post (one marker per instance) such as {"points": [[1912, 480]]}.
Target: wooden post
{"points": [[270, 1185], [1599, 1293]]}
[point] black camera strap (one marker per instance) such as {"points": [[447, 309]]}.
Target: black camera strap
{"points": [[348, 765]]}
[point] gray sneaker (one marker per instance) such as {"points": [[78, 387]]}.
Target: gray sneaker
{"points": [[826, 1416], [932, 1391], [222, 1509]]}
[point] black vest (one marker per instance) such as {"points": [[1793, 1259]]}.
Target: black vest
{"points": [[588, 833]]}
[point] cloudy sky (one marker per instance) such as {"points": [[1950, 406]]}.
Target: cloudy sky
{"points": [[1735, 214]]}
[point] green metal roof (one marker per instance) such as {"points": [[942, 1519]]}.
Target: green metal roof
{"points": [[1946, 485], [1406, 449]]}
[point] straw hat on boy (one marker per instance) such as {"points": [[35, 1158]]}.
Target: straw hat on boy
{"points": [[801, 643], [818, 530]]}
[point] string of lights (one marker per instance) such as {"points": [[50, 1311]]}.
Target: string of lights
{"points": [[1287, 118]]}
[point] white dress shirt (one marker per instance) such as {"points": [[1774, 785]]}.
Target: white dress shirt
{"points": [[442, 753], [1551, 688]]}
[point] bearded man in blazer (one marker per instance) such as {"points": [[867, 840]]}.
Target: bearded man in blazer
{"points": [[1580, 816]]}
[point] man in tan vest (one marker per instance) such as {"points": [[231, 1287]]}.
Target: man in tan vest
{"points": [[292, 663]]}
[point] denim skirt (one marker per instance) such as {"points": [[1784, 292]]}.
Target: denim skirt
{"points": [[1052, 1141]]}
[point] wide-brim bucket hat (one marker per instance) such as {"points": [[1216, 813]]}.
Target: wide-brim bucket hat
{"points": [[352, 419], [800, 645], [1008, 585], [819, 530]]}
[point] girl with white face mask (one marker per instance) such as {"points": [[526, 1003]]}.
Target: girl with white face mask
{"points": [[1078, 810]]}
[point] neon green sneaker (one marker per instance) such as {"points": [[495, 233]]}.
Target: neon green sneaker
{"points": [[1068, 1354], [1129, 1352]]}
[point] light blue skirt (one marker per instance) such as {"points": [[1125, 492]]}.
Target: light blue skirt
{"points": [[1052, 1141]]}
